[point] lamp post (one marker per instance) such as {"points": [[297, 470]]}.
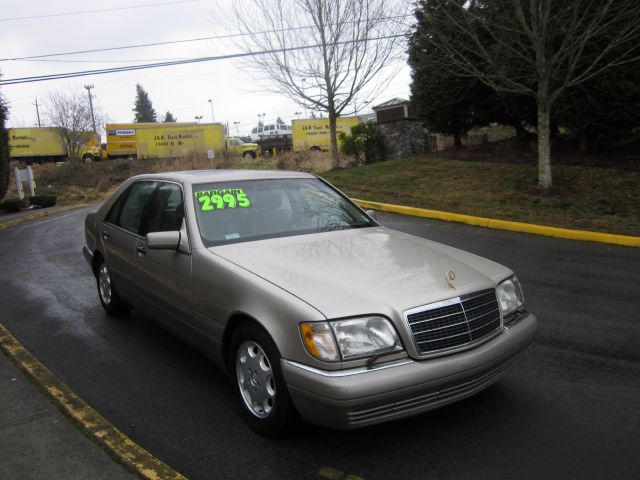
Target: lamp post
{"points": [[297, 114], [198, 118], [261, 119], [211, 105], [237, 128]]}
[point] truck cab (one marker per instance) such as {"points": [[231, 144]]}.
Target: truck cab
{"points": [[246, 150]]}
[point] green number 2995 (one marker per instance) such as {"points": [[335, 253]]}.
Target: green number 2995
{"points": [[228, 200]]}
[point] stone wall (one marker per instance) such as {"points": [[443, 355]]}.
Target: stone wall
{"points": [[403, 138]]}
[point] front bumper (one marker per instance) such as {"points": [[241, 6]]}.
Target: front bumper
{"points": [[351, 399]]}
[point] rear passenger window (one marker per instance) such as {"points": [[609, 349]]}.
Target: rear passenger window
{"points": [[128, 210]]}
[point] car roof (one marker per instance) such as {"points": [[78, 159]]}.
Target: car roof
{"points": [[207, 176]]}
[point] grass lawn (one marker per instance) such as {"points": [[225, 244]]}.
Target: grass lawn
{"points": [[584, 197]]}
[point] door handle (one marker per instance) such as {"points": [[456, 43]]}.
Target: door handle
{"points": [[142, 250], [106, 234]]}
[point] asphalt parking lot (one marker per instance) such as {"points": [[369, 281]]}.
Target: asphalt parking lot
{"points": [[569, 410]]}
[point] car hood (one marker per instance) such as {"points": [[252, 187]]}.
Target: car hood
{"points": [[365, 270]]}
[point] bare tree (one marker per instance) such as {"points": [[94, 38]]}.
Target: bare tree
{"points": [[538, 48], [324, 54], [70, 112]]}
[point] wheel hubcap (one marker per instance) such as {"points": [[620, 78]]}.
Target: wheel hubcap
{"points": [[255, 379], [104, 284]]}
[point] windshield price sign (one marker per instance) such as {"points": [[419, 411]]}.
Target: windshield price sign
{"points": [[211, 200]]}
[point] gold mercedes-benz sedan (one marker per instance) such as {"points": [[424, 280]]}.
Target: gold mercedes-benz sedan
{"points": [[311, 306]]}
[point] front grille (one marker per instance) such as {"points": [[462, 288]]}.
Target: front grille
{"points": [[454, 323]]}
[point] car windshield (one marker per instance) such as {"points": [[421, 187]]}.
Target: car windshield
{"points": [[231, 212]]}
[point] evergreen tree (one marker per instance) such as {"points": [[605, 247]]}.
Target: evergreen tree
{"points": [[605, 110], [168, 117], [143, 108], [4, 148], [445, 102]]}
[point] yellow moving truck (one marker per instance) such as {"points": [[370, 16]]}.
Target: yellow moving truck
{"points": [[313, 133], [48, 144], [121, 137], [172, 140], [180, 141]]}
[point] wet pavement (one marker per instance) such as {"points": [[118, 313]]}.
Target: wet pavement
{"points": [[569, 410]]}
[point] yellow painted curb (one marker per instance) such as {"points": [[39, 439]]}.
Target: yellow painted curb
{"points": [[36, 214], [584, 235], [121, 447]]}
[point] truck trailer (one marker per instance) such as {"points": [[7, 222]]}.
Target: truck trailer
{"points": [[48, 144], [122, 137], [173, 140], [313, 133]]}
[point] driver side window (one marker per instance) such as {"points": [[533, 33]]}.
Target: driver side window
{"points": [[167, 211]]}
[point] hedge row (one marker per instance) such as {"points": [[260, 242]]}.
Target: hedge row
{"points": [[15, 204]]}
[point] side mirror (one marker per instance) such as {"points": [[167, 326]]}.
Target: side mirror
{"points": [[372, 214], [163, 240]]}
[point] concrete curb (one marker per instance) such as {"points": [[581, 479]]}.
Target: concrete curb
{"points": [[37, 214], [94, 425], [566, 233]]}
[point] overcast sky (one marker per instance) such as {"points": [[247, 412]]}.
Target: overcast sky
{"points": [[184, 90]]}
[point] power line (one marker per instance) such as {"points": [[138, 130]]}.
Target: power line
{"points": [[173, 42], [107, 61], [142, 45], [83, 12], [84, 73]]}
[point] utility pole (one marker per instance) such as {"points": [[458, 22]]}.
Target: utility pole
{"points": [[93, 120], [211, 105], [38, 112]]}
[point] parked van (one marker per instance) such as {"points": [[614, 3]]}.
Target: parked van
{"points": [[269, 130]]}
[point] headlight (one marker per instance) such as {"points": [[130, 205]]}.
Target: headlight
{"points": [[356, 338], [510, 296], [361, 337]]}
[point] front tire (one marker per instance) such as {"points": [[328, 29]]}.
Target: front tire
{"points": [[109, 298], [88, 158], [254, 364], [249, 155]]}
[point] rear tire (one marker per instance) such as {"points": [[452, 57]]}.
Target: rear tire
{"points": [[254, 364], [107, 293]]}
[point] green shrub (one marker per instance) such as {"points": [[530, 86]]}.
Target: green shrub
{"points": [[12, 205], [43, 201], [366, 143]]}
